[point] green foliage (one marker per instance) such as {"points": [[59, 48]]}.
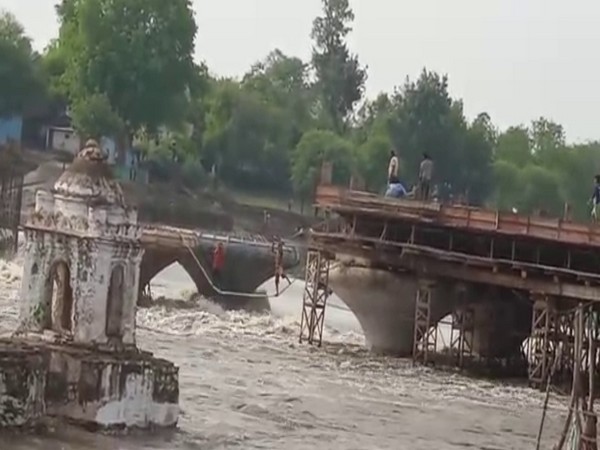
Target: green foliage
{"points": [[138, 53], [513, 145], [316, 147], [93, 117], [541, 190], [340, 78], [373, 155], [126, 68], [21, 79]]}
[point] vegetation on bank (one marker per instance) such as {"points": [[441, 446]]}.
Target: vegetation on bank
{"points": [[126, 69]]}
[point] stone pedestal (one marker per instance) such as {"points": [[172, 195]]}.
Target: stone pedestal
{"points": [[99, 390]]}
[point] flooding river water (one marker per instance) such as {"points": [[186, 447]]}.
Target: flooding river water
{"points": [[246, 383]]}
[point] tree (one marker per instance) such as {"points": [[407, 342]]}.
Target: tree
{"points": [[476, 170], [372, 159], [546, 137], [246, 137], [93, 117], [315, 148], [340, 78], [541, 191], [513, 145], [507, 185], [136, 53], [426, 120], [20, 75]]}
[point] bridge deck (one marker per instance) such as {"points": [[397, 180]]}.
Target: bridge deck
{"points": [[476, 245], [468, 218]]}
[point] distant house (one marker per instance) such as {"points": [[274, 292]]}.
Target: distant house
{"points": [[110, 149], [63, 138], [66, 139], [11, 130]]}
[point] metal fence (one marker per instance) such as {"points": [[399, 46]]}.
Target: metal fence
{"points": [[11, 195]]}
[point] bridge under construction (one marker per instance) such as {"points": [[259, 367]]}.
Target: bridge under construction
{"points": [[511, 284]]}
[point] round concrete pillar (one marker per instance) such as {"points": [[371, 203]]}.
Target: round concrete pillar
{"points": [[384, 304]]}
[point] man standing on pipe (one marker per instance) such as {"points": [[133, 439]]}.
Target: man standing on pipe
{"points": [[218, 262], [279, 273]]}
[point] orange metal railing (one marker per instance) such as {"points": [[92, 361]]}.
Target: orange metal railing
{"points": [[344, 201]]}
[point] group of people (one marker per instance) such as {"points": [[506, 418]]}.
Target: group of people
{"points": [[422, 191]]}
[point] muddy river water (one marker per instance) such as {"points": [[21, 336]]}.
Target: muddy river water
{"points": [[246, 383]]}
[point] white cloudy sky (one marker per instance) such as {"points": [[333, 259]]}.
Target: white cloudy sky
{"points": [[515, 59]]}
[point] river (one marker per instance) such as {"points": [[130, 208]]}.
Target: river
{"points": [[246, 383]]}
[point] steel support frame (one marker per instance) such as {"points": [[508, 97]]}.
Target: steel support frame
{"points": [[462, 332], [314, 299], [565, 339], [591, 332], [542, 343], [425, 330]]}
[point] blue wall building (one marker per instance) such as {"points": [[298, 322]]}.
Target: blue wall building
{"points": [[11, 129]]}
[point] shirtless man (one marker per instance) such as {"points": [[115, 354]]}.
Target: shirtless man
{"points": [[279, 274]]}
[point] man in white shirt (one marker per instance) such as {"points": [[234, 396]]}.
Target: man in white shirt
{"points": [[393, 168]]}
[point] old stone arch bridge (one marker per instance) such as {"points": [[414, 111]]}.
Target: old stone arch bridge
{"points": [[249, 261]]}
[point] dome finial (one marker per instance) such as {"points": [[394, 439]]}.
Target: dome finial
{"points": [[91, 151]]}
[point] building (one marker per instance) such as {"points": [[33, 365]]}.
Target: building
{"points": [[11, 130], [78, 303], [63, 139]]}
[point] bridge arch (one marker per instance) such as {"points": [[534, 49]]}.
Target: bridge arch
{"points": [[384, 304], [244, 272]]}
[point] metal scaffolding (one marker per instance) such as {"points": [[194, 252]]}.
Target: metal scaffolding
{"points": [[565, 339], [314, 299], [542, 341], [462, 333], [425, 336], [11, 192]]}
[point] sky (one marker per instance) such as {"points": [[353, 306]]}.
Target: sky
{"points": [[514, 59]]}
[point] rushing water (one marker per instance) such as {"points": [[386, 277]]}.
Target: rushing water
{"points": [[246, 383]]}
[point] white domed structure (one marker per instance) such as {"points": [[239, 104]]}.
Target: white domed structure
{"points": [[83, 256], [90, 178]]}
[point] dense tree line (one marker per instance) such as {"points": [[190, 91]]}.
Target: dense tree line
{"points": [[126, 69]]}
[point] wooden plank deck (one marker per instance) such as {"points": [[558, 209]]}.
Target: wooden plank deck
{"points": [[477, 220]]}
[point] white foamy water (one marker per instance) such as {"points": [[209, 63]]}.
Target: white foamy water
{"points": [[247, 383]]}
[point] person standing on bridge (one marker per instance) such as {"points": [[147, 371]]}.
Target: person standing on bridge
{"points": [[279, 273], [393, 168], [218, 262], [425, 172], [595, 200]]}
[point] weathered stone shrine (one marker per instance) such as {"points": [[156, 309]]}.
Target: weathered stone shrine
{"points": [[80, 285]]}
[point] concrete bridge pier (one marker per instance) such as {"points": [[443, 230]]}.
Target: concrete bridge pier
{"points": [[488, 326], [384, 304], [501, 325]]}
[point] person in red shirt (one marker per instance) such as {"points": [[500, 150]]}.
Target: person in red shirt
{"points": [[218, 261]]}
